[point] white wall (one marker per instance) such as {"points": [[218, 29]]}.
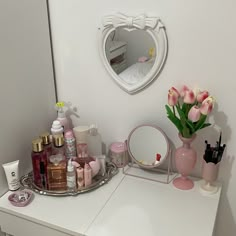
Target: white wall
{"points": [[202, 49], [27, 92]]}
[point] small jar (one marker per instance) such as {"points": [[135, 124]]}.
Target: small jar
{"points": [[119, 154]]}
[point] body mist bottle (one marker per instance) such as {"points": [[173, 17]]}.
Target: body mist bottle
{"points": [[39, 163]]}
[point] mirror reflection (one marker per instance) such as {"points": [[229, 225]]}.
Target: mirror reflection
{"points": [[148, 146], [130, 53]]}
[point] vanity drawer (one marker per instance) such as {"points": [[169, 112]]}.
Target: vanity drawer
{"points": [[118, 51], [17, 226]]}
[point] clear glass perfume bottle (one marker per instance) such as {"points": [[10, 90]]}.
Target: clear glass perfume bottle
{"points": [[56, 173]]}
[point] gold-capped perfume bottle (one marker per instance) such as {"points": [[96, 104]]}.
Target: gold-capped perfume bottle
{"points": [[39, 163], [56, 173], [58, 145], [47, 145]]}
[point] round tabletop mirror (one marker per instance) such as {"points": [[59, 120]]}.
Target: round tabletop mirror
{"points": [[148, 146]]}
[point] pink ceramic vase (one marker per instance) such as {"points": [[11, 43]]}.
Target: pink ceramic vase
{"points": [[185, 160]]}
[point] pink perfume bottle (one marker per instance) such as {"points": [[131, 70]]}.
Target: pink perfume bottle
{"points": [[39, 163], [58, 145], [47, 145]]}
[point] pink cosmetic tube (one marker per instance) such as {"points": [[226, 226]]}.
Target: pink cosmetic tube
{"points": [[87, 175], [80, 177]]}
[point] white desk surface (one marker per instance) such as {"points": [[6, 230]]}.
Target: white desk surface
{"points": [[141, 207], [125, 206], [71, 215]]}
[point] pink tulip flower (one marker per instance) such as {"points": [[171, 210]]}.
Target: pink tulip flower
{"points": [[194, 114], [202, 95], [183, 90], [189, 97], [173, 96], [207, 105]]}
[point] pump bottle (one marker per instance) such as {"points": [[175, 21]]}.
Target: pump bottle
{"points": [[61, 116]]}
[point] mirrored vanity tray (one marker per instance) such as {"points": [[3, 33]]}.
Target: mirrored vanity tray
{"points": [[26, 181]]}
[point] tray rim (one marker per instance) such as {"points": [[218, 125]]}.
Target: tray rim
{"points": [[26, 182]]}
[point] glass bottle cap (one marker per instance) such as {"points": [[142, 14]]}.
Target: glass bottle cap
{"points": [[37, 145]]}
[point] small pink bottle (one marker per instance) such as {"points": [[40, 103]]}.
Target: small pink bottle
{"points": [[87, 175], [80, 177]]}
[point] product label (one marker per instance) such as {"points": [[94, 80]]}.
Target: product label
{"points": [[15, 184]]}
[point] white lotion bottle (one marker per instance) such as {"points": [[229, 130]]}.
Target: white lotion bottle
{"points": [[61, 116], [71, 176], [94, 141], [56, 128]]}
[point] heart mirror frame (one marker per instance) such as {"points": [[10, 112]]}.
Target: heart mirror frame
{"points": [[154, 27]]}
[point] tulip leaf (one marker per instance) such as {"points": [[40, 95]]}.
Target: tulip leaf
{"points": [[191, 125], [184, 108], [185, 131], [205, 125], [200, 123], [174, 119]]}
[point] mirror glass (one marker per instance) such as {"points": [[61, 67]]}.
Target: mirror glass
{"points": [[131, 54], [133, 49], [148, 146]]}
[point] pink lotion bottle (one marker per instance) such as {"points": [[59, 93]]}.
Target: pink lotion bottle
{"points": [[87, 175]]}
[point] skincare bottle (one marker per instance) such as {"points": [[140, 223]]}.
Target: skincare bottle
{"points": [[12, 174], [56, 128], [70, 144], [87, 175], [39, 157], [80, 177], [58, 145], [61, 116], [94, 141], [71, 177], [56, 172], [47, 145]]}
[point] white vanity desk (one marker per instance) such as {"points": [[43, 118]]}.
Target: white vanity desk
{"points": [[125, 206]]}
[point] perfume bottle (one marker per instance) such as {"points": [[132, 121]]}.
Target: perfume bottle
{"points": [[39, 158], [56, 173], [58, 145], [47, 145]]}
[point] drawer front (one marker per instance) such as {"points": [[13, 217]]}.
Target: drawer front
{"points": [[117, 52], [16, 226]]}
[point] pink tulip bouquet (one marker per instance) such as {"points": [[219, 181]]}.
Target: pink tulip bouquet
{"points": [[188, 110]]}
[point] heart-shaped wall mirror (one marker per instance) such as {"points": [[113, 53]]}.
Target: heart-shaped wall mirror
{"points": [[133, 49], [148, 146]]}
